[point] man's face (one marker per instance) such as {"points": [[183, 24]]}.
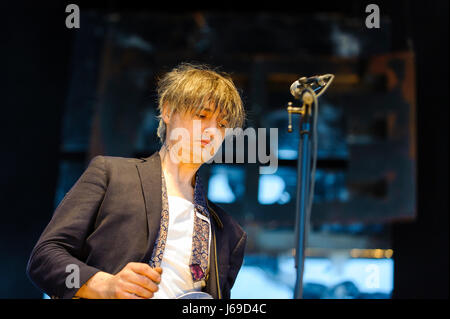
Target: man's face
{"points": [[196, 137]]}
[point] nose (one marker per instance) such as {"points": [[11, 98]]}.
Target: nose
{"points": [[211, 131], [208, 133]]}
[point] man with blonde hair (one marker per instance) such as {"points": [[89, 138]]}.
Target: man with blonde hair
{"points": [[144, 228]]}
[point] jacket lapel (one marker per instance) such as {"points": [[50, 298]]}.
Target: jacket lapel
{"points": [[213, 283], [150, 175]]}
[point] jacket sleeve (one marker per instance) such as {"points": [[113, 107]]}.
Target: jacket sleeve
{"points": [[236, 260], [59, 251]]}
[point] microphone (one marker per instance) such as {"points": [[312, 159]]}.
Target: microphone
{"points": [[316, 82]]}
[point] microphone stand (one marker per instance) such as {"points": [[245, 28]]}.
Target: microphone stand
{"points": [[308, 111]]}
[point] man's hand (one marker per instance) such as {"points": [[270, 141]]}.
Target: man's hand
{"points": [[134, 281]]}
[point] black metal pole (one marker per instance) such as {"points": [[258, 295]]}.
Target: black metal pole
{"points": [[303, 167]]}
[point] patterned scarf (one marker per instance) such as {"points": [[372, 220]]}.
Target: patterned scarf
{"points": [[198, 263]]}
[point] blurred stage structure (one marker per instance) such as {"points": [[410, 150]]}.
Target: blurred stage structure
{"points": [[367, 127]]}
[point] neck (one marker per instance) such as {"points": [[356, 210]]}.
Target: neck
{"points": [[180, 172]]}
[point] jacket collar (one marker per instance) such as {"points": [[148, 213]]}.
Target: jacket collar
{"points": [[149, 171], [200, 200]]}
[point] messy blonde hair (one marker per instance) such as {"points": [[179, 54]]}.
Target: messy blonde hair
{"points": [[190, 88]]}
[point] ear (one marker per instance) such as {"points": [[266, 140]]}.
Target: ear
{"points": [[165, 114]]}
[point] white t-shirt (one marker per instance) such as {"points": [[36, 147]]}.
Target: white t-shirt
{"points": [[176, 278]]}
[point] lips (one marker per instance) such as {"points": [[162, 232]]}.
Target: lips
{"points": [[205, 142]]}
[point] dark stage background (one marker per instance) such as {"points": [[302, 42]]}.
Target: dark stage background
{"points": [[48, 65]]}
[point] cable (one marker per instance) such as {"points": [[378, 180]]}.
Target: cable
{"points": [[314, 141]]}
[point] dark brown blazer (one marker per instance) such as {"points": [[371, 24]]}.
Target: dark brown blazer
{"points": [[111, 217]]}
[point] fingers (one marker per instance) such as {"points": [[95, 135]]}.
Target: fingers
{"points": [[136, 290], [146, 270], [142, 281]]}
